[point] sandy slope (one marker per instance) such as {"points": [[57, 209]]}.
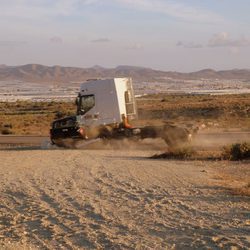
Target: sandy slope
{"points": [[116, 199]]}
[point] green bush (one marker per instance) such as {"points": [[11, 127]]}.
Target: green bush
{"points": [[237, 151]]}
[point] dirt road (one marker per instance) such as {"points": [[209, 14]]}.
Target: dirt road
{"points": [[22, 140], [117, 199], [204, 139]]}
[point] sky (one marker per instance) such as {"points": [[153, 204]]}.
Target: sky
{"points": [[170, 35]]}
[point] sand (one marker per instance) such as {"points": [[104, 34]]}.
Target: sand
{"points": [[117, 199]]}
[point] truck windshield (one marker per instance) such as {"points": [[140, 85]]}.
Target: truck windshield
{"points": [[87, 102]]}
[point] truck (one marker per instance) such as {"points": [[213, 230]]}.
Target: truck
{"points": [[105, 110]]}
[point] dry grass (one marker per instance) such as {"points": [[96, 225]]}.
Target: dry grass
{"points": [[234, 152], [31, 118], [178, 154], [189, 154], [224, 111]]}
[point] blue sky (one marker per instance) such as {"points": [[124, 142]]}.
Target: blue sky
{"points": [[163, 34]]}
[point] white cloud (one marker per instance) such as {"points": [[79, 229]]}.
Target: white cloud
{"points": [[173, 9], [101, 40], [223, 40], [135, 46], [189, 45], [46, 8], [30, 9]]}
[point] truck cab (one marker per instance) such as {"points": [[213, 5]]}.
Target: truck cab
{"points": [[104, 107], [102, 102]]}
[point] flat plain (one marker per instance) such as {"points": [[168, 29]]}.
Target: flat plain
{"points": [[116, 196]]}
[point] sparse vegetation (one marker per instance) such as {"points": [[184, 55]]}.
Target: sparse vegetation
{"points": [[221, 111], [178, 154], [215, 112], [237, 151], [31, 118], [234, 152], [6, 129]]}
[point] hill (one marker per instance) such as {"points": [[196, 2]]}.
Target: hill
{"points": [[59, 74]]}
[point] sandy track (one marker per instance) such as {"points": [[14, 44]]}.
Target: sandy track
{"points": [[22, 140], [116, 199], [202, 139]]}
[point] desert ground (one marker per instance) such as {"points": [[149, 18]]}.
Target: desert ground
{"points": [[119, 198]]}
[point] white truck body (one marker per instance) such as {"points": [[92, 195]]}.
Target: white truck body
{"points": [[102, 102]]}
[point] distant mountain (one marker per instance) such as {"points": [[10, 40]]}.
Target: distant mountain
{"points": [[59, 74]]}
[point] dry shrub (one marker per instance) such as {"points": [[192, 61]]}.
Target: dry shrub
{"points": [[236, 152], [6, 131], [178, 154]]}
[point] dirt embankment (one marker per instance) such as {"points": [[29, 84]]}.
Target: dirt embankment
{"points": [[117, 199]]}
